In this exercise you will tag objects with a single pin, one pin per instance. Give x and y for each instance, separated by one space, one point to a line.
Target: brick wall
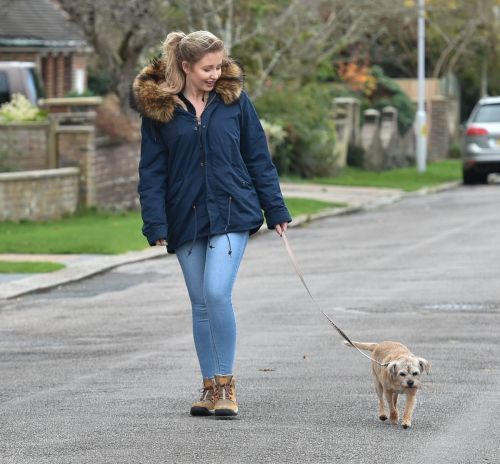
24 146
20 56
72 111
38 195
116 174
75 146
108 169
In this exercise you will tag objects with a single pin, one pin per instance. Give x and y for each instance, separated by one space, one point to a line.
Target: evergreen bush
388 93
305 114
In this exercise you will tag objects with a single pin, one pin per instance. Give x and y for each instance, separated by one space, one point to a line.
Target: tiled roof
37 23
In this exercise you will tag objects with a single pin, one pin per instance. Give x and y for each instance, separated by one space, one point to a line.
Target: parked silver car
481 142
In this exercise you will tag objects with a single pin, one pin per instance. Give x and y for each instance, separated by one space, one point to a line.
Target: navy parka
206 177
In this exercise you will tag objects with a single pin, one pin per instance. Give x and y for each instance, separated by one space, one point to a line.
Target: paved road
103 371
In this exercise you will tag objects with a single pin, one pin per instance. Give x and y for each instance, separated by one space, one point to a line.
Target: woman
205 177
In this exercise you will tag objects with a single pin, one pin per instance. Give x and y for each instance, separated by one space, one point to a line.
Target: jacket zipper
200 139
203 157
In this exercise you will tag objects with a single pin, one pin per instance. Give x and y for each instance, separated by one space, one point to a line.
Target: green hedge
388 93
305 114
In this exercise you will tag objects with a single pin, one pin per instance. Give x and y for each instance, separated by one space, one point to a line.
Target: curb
43 282
435 189
74 273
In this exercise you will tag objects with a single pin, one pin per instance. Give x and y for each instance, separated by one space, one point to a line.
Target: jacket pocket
242 176
174 189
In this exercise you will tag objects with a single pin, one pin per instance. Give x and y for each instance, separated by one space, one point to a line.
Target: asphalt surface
104 370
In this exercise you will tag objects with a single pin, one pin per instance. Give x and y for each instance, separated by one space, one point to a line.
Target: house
40 31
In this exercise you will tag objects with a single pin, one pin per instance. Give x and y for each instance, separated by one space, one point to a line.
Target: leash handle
335 326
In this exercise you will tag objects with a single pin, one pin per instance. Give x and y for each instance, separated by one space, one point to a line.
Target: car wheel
482 178
469 177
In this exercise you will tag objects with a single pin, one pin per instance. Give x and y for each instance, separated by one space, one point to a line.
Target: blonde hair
179 47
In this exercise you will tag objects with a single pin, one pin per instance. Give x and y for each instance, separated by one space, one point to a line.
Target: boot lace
224 392
206 394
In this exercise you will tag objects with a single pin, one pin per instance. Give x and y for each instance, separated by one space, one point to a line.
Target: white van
19 77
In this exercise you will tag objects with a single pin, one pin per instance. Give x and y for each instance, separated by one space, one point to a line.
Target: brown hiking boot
225 396
205 406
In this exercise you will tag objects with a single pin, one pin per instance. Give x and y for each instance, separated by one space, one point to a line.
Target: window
488 113
35 78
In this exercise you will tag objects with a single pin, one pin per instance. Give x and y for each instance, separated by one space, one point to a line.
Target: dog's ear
425 366
392 367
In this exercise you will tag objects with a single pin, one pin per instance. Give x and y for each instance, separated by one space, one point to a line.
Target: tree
282 39
462 37
119 31
289 40
457 33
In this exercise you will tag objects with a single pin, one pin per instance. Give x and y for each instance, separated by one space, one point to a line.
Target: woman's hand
281 228
161 242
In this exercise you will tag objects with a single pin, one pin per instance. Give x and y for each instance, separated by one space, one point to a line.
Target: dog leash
335 326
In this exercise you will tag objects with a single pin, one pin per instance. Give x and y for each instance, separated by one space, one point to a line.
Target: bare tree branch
119 31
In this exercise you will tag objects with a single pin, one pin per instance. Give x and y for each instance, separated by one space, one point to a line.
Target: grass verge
86 232
28 267
92 232
408 179
298 206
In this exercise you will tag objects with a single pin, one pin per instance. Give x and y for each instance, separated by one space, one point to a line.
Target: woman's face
204 73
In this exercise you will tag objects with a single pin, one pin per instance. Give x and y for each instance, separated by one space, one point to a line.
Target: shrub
275 135
99 81
355 155
20 109
455 151
305 114
376 90
388 93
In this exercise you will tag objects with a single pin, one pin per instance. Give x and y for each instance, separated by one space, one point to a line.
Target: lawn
97 232
408 179
30 267
87 232
298 206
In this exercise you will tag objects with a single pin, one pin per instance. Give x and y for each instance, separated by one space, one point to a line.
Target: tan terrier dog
401 375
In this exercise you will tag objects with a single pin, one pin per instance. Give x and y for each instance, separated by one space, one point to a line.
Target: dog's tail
362 346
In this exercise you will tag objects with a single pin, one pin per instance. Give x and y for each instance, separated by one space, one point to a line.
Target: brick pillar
439 134
50 76
68 74
59 83
76 148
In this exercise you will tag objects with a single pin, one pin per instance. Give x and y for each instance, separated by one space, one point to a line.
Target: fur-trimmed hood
150 99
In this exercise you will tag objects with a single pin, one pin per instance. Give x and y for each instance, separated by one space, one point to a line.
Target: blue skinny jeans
210 272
